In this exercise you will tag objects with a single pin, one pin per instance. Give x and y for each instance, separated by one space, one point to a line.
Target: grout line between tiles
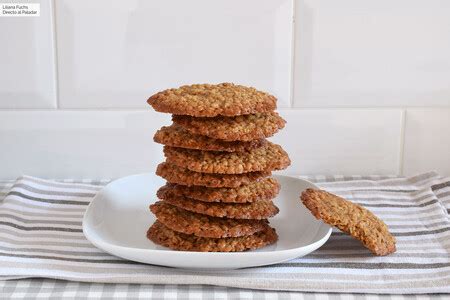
87 109
366 107
55 54
142 109
402 142
292 75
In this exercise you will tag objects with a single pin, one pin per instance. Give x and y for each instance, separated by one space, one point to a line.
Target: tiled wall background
364 85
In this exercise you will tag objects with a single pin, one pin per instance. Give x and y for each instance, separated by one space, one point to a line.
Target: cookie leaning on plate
204 226
239 128
210 100
266 158
265 189
176 136
174 174
351 218
160 234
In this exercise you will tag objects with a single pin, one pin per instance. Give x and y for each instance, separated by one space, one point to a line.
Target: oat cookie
176 136
178 175
351 218
239 128
265 189
162 235
266 158
255 210
210 100
187 222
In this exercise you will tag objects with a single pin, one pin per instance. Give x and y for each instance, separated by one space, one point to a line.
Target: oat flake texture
261 190
267 158
254 210
351 218
160 234
210 100
179 175
176 136
200 225
240 128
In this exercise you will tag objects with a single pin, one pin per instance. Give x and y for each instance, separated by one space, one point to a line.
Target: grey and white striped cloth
41 236
59 289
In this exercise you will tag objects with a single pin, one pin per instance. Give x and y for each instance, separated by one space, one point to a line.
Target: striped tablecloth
40 236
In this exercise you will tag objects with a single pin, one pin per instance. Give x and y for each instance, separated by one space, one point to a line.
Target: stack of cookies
219 192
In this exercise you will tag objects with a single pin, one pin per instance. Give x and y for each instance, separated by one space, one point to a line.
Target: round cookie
210 100
351 218
176 136
204 226
256 210
265 189
161 235
239 128
266 158
174 174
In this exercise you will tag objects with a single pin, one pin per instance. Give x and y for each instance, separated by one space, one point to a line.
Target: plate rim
100 244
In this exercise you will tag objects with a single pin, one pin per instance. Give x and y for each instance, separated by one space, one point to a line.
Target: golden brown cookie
162 235
178 175
350 218
266 158
265 189
239 128
176 136
183 221
255 210
210 100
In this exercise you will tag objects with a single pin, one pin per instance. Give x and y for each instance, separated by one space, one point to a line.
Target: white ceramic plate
117 220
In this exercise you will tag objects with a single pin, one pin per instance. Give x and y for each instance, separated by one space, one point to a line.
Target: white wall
364 85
